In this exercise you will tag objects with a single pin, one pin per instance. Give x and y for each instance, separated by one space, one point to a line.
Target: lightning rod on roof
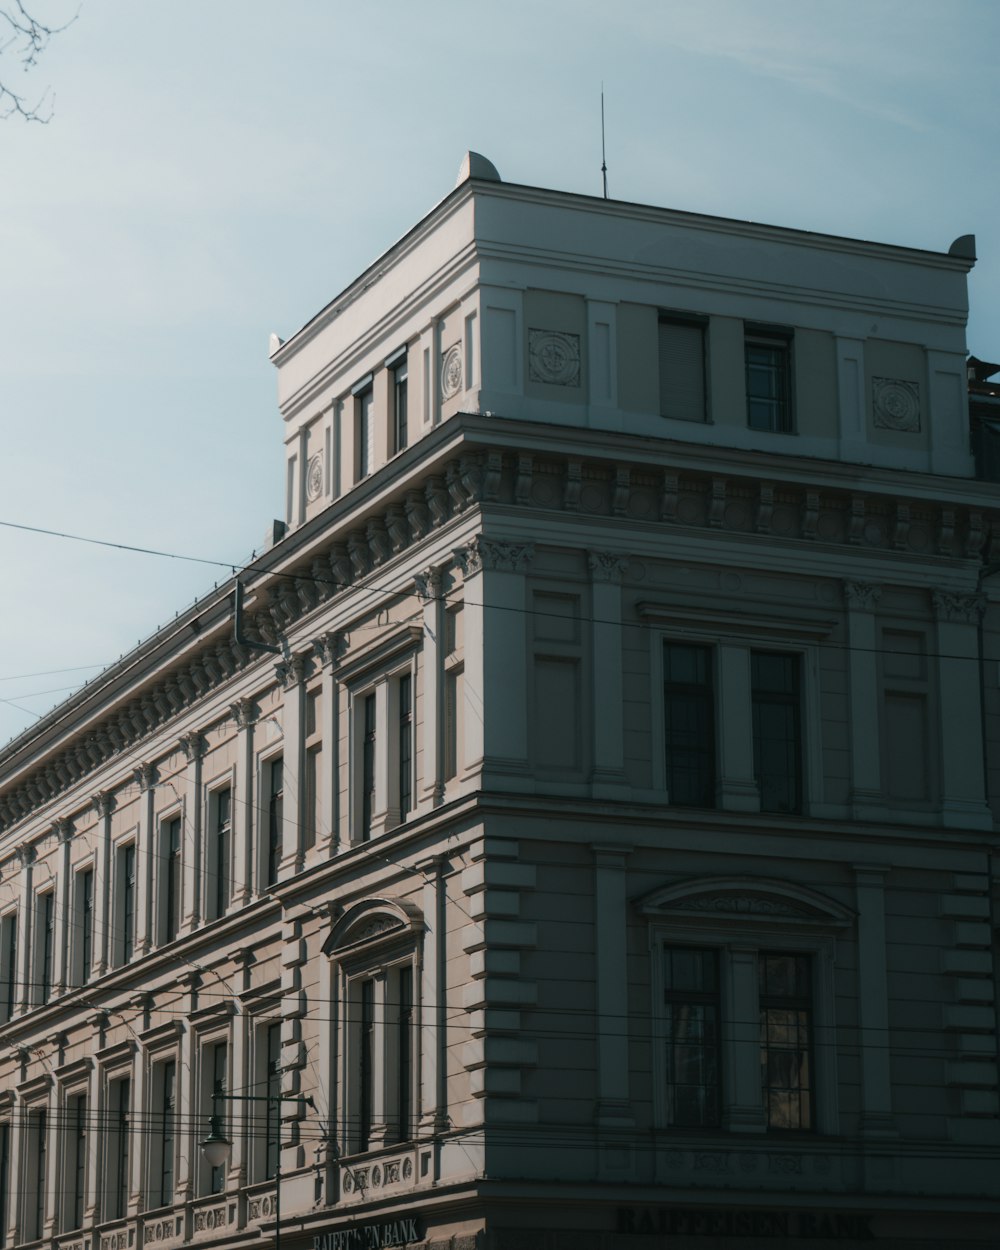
604 161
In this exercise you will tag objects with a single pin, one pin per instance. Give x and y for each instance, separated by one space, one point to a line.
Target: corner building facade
591 810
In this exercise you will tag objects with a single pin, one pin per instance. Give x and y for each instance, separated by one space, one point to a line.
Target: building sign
370 1236
679 1221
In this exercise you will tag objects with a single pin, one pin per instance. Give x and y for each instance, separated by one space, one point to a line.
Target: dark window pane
689 725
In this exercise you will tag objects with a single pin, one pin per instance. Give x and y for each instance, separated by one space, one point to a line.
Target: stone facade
584 834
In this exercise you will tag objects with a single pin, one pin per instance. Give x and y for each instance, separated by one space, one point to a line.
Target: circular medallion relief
314 478
451 372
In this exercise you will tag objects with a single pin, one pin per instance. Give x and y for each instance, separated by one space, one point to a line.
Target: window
404 744
786 1040
8 965
126 898
117 1157
364 408
83 938
454 688
313 767
777 730
743 1006
909 767
269 1039
75 1181
368 745
691 1017
163 1143
768 378
34 1190
4 1180
689 724
374 949
274 771
44 945
170 879
219 837
682 368
214 1075
399 413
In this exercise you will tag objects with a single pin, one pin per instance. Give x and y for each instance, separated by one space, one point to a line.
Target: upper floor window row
684 372
380 415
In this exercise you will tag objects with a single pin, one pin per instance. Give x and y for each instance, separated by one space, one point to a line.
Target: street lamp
216 1147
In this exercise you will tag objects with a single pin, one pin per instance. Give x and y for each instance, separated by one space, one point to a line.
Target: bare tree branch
25 38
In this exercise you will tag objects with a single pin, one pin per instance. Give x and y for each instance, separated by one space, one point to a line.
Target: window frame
363 396
83 929
778 340
377 943
686 321
126 899
219 846
270 835
44 943
768 917
8 964
35 1170
170 875
75 1151
759 698
398 367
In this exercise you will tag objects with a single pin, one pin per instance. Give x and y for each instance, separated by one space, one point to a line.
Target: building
588 801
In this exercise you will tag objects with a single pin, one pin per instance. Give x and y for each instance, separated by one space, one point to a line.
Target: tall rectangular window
689 724
786 1040
126 903
691 1015
217 1062
404 745
777 730
77 1149
365 409
220 809
768 380
168 1130
399 402
118 1147
682 368
8 965
45 919
404 1051
35 1196
275 818
366 1063
85 935
272 1124
170 888
454 688
368 743
313 767
4 1180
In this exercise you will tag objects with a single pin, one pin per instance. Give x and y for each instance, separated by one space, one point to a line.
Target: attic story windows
682 367
768 357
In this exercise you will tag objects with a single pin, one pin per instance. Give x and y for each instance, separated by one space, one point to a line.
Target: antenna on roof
604 162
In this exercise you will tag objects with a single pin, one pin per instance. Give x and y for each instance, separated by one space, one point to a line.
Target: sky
215 170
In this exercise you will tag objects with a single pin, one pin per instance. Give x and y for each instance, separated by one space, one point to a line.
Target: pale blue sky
217 169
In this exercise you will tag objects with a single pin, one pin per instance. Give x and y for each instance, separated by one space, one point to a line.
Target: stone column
292 674
873 1007
862 681
193 745
104 804
244 823
25 918
145 777
963 791
328 649
64 940
434 1001
429 589
611 974
607 675
736 788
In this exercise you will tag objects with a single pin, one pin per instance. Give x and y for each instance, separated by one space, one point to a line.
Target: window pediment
742 899
370 923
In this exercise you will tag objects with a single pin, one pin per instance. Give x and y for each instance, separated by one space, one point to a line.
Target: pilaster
736 788
862 682
744 1107
63 830
104 804
873 1006
193 745
25 917
428 586
244 713
607 776
610 926
145 777
329 648
292 674
963 791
